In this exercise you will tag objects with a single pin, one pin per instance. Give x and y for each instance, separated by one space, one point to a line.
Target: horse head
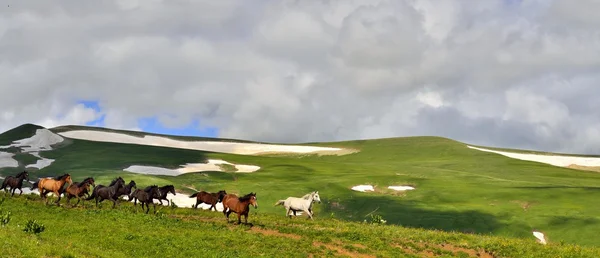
221 194
68 178
170 189
132 184
316 197
24 174
253 200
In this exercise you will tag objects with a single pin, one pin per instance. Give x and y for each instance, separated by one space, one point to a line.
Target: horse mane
20 174
61 177
168 186
80 184
115 181
149 188
246 197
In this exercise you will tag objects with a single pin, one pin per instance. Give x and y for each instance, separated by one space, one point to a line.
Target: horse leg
168 202
13 191
245 218
20 191
197 202
114 202
308 212
153 204
287 212
57 200
239 218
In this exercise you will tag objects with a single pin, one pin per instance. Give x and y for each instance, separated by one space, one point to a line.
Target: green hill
457 190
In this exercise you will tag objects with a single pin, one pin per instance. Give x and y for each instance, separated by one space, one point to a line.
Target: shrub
5 218
33 226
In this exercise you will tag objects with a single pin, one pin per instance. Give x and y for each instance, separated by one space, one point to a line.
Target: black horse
126 190
102 192
146 196
164 190
15 182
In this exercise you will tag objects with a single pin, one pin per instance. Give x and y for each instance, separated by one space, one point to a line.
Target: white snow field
212 165
214 146
555 160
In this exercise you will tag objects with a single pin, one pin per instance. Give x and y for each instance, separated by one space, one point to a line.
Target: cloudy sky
509 73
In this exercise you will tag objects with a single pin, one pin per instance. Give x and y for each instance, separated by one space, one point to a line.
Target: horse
54 185
146 196
89 181
78 190
300 204
164 190
208 198
15 182
107 192
126 190
239 205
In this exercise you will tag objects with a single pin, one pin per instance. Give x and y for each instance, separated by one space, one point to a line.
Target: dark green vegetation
125 232
458 190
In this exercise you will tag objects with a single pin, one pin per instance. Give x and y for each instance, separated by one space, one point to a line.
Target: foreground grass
178 232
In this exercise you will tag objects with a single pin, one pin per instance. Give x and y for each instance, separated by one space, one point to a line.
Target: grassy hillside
457 189
176 232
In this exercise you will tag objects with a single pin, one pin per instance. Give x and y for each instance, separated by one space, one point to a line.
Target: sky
518 74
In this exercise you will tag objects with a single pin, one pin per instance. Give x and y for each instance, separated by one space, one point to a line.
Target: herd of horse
146 196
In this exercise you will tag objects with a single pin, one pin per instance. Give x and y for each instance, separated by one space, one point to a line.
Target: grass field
457 190
177 232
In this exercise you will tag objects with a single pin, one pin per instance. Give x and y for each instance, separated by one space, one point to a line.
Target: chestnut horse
53 185
15 182
78 190
239 205
208 198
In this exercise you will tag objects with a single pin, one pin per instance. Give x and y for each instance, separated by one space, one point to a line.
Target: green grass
126 232
457 189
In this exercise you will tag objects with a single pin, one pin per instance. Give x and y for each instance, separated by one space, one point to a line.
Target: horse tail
194 195
93 195
35 185
280 202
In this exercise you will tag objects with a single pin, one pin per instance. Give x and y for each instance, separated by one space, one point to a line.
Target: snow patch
555 160
214 146
41 141
41 163
211 165
363 188
401 188
7 161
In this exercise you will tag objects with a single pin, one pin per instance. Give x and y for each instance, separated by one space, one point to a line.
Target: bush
33 226
377 219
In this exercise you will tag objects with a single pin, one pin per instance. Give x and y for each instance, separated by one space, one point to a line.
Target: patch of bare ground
340 250
426 250
271 232
524 204
586 168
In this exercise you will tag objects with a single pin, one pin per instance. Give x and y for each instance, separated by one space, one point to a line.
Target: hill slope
457 188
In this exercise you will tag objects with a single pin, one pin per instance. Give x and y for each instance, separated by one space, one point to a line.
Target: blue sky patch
152 125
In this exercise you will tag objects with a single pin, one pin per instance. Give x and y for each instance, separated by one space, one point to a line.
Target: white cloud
505 73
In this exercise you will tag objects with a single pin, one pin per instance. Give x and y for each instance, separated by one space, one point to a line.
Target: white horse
303 204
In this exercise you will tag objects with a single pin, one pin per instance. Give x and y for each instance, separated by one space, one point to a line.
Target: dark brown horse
146 196
110 193
239 205
78 190
208 198
54 185
15 182
164 190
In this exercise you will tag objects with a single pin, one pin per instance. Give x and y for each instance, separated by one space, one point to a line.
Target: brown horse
239 205
208 198
78 190
54 185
